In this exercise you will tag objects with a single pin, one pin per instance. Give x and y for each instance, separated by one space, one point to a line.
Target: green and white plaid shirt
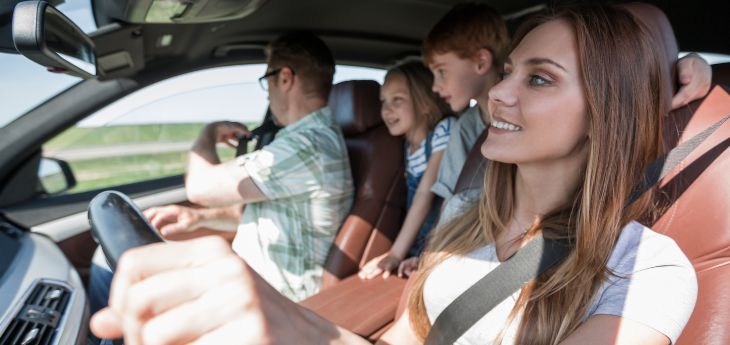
306 176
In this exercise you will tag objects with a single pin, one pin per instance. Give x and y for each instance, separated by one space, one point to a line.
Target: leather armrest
361 306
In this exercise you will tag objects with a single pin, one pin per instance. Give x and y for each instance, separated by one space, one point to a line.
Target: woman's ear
483 58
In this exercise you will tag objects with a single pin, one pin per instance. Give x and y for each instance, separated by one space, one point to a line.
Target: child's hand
384 264
407 267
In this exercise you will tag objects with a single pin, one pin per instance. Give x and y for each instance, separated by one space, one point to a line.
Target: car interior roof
373 33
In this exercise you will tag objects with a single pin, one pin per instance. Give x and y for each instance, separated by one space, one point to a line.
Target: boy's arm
694 75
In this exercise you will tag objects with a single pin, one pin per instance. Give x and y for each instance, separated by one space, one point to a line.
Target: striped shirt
305 174
417 162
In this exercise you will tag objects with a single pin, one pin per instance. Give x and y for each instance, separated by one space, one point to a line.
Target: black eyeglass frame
263 81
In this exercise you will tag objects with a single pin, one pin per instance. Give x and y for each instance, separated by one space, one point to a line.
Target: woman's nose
504 92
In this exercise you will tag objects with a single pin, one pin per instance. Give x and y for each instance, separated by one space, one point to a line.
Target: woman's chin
497 153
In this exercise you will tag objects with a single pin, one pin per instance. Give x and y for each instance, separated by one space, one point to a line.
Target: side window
146 135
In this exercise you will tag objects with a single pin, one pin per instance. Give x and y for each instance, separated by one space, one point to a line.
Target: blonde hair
623 85
428 106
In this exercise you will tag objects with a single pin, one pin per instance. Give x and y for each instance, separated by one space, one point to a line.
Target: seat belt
536 257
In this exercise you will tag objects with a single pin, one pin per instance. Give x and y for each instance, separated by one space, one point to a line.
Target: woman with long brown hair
575 122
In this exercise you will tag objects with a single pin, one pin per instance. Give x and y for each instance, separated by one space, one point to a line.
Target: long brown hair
427 105
622 82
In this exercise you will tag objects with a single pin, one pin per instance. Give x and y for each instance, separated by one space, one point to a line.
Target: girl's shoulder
445 125
442 131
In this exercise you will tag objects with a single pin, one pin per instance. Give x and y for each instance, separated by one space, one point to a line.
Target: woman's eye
442 73
503 75
536 80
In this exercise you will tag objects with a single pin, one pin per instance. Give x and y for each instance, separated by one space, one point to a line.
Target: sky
25 84
224 93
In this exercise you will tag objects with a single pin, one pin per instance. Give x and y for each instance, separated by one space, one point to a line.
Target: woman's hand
200 292
384 264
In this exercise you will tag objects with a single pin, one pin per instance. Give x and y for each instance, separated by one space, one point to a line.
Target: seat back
721 74
472 173
376 160
697 197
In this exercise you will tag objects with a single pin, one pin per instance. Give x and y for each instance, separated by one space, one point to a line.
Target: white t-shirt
658 288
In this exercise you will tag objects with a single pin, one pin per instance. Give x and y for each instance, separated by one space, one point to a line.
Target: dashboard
42 298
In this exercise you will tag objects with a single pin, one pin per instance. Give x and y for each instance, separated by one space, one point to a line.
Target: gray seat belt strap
535 257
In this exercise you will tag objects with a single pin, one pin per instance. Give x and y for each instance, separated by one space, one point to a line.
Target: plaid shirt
306 176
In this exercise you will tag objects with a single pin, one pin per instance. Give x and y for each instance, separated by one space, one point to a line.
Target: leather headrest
355 105
721 73
661 31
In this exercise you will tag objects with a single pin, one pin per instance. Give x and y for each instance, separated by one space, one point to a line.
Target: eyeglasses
264 80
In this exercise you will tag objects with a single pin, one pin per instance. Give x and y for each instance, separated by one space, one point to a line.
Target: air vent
39 317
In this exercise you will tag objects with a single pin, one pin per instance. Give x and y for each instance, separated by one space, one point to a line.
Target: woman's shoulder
639 247
650 281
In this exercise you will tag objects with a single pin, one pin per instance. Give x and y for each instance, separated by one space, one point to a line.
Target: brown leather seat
697 195
698 217
721 74
376 159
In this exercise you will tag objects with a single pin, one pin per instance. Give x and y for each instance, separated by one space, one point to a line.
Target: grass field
108 171
115 135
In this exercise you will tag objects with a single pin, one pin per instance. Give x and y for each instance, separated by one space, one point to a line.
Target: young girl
576 121
411 109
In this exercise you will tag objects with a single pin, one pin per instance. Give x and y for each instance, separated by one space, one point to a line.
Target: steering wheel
118 225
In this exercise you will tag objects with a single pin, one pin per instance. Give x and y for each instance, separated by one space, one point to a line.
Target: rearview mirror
55 175
44 35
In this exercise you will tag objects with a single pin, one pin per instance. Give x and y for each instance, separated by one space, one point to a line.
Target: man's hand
197 292
695 79
227 132
173 219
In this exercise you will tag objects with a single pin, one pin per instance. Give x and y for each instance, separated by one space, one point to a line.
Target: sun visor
173 11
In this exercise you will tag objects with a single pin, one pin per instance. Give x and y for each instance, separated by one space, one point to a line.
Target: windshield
25 84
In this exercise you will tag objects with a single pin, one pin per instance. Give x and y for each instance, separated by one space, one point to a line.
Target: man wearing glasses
285 201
